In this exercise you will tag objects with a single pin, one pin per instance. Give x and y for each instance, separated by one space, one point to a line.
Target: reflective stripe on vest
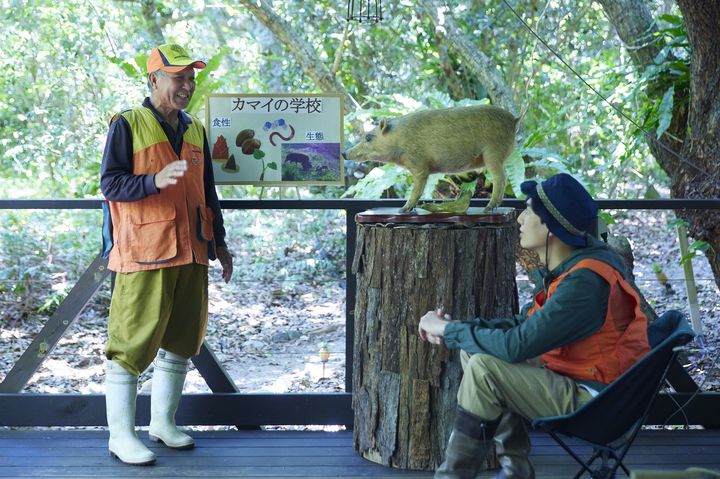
173 227
620 342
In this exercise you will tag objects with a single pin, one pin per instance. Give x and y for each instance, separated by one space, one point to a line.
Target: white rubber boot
167 384
120 394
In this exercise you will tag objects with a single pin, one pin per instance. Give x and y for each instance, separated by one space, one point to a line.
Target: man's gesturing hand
169 175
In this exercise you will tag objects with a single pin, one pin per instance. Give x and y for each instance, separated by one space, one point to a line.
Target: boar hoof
406 209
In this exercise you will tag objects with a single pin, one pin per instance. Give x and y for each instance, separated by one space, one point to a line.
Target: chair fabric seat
612 419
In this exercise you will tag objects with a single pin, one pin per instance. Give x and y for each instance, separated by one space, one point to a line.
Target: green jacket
576 310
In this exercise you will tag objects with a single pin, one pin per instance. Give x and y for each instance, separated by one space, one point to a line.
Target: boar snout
352 152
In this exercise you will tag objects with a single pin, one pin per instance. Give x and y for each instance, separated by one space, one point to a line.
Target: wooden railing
225 405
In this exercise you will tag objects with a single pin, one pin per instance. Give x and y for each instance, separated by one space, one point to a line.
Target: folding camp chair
612 419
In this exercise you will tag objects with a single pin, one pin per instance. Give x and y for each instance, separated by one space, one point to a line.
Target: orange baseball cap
171 57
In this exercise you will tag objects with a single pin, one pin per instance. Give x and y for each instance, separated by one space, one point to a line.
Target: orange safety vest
620 342
171 228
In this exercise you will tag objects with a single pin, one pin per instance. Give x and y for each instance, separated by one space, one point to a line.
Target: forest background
623 94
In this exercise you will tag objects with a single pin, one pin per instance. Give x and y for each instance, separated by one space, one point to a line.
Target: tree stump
404 389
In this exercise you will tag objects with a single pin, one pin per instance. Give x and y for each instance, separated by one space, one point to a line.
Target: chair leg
605 471
585 467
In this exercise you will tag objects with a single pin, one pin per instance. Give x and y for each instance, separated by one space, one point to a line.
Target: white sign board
281 139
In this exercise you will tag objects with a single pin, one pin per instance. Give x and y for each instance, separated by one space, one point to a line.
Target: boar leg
419 181
495 167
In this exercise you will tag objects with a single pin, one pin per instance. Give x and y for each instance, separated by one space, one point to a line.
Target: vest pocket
205 218
153 237
205 232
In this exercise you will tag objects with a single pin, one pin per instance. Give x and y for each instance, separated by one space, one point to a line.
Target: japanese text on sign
272 105
221 122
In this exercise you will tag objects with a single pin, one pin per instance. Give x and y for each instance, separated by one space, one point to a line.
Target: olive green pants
491 387
163 308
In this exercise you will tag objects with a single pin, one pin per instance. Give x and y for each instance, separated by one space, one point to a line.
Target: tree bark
636 28
702 147
405 389
476 61
690 153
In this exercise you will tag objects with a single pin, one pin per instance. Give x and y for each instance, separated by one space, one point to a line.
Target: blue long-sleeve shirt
118 183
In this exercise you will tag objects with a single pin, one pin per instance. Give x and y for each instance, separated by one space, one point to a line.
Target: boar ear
385 125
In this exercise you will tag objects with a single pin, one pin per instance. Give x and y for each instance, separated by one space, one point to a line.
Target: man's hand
169 175
226 261
432 326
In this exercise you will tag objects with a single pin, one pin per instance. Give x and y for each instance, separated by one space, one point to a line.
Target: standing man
166 225
585 325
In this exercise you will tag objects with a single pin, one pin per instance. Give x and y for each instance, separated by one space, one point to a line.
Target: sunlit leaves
515 169
74 64
379 181
664 112
205 83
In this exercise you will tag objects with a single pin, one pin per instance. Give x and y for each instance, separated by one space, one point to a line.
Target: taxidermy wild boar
450 140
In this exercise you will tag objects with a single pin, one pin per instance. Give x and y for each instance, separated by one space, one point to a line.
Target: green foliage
68 54
287 246
205 83
71 65
676 223
135 71
515 169
696 248
42 254
379 180
606 217
260 155
50 101
670 75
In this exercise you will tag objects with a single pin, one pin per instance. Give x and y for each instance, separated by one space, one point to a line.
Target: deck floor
263 454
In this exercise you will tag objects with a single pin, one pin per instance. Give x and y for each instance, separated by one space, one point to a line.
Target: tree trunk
405 389
690 153
636 28
702 147
477 62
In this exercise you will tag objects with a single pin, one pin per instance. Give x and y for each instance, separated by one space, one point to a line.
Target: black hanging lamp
364 11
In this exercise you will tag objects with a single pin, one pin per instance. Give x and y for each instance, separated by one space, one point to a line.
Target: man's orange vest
171 228
620 342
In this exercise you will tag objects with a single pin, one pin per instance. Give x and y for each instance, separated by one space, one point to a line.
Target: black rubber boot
513 448
469 442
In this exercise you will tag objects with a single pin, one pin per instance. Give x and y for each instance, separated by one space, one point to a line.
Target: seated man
583 324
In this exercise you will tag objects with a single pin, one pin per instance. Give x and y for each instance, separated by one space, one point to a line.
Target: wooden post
404 390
